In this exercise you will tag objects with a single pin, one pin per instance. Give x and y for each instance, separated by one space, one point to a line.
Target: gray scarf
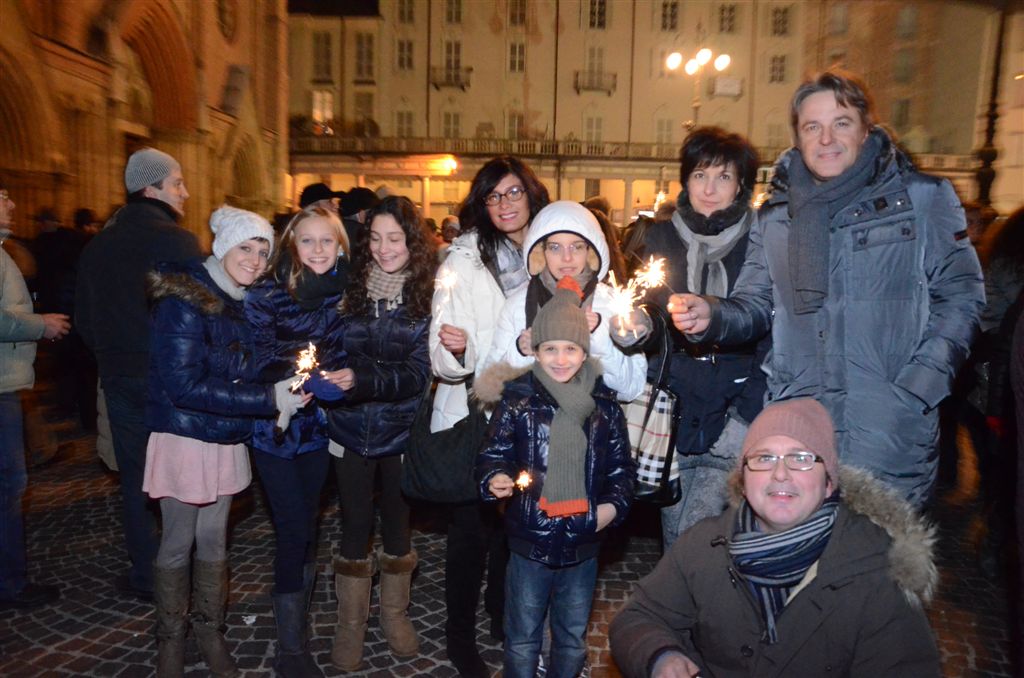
565 485
709 250
511 270
812 206
215 267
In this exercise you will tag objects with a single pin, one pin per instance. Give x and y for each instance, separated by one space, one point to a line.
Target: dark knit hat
802 419
562 319
146 167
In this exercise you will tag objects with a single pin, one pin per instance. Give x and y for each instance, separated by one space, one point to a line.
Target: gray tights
183 524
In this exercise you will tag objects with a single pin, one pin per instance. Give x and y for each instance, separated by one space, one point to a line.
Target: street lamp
695 67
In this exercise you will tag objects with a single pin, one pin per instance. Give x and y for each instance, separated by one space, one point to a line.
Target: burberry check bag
652 421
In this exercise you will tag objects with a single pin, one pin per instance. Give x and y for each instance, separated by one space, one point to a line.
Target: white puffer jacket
472 304
623 373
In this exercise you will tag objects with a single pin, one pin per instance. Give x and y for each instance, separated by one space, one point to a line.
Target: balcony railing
596 81
549 148
444 76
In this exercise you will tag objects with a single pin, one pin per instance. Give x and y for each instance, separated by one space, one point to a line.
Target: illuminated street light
695 67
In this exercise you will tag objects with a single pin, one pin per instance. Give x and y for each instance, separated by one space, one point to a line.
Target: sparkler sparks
624 298
445 281
523 480
304 366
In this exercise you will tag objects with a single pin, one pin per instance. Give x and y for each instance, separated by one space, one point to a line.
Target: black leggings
355 485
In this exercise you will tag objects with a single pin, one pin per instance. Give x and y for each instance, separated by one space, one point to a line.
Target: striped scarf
773 564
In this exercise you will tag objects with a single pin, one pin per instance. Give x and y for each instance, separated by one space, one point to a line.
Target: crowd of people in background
810 342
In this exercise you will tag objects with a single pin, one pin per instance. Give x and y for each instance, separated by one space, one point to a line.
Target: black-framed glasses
514 194
794 461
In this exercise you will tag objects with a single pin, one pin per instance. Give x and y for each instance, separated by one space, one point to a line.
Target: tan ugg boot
209 600
395 582
353 580
170 593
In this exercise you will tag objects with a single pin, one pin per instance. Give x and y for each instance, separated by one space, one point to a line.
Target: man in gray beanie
846 559
112 316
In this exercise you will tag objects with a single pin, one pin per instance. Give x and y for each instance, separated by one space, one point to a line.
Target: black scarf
718 221
773 564
311 289
812 206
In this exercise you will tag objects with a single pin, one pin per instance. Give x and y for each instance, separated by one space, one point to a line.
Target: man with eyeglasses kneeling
815 570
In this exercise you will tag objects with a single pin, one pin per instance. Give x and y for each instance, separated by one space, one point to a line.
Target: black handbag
439 467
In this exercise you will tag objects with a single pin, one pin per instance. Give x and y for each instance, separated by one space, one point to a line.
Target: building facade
86 82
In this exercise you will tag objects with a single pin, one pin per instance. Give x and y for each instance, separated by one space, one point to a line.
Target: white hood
566 216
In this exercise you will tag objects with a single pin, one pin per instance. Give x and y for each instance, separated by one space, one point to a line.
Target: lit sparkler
304 366
445 281
523 480
624 298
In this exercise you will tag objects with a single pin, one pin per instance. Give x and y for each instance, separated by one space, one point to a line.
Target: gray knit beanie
232 226
147 166
562 319
802 419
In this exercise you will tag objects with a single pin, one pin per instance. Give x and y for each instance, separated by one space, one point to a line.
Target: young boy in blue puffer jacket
558 451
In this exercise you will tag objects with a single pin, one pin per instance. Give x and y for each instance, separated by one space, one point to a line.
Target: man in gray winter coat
816 570
860 268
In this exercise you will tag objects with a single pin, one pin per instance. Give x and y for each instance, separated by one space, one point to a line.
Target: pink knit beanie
803 419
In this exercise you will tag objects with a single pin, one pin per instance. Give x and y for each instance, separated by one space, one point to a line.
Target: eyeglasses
573 248
794 461
514 194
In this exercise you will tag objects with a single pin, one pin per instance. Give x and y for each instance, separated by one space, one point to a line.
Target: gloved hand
730 442
630 330
287 403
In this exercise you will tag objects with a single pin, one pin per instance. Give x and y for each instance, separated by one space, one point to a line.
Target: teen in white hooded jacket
565 239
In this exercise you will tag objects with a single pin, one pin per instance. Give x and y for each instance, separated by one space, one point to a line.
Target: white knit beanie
147 166
232 226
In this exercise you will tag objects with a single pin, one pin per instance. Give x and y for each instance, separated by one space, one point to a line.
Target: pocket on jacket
883 260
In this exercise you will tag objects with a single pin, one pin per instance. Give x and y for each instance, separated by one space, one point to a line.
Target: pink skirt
193 471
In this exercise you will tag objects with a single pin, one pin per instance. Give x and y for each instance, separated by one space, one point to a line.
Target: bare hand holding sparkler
501 485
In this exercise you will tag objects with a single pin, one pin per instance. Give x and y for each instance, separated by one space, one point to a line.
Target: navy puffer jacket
389 354
200 382
517 440
281 329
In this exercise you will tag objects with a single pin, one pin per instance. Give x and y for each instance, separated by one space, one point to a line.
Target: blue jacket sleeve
179 342
620 480
497 452
261 313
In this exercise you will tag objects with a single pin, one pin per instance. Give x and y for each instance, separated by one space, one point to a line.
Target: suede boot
353 580
395 583
209 599
170 593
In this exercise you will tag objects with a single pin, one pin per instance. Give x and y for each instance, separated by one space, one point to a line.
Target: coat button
747 651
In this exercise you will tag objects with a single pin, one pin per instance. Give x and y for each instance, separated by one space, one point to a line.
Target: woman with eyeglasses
486 264
566 240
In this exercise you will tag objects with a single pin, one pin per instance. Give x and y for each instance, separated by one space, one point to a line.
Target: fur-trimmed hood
566 216
186 283
488 387
911 554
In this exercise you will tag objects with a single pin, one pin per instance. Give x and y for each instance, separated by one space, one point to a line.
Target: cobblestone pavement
74 534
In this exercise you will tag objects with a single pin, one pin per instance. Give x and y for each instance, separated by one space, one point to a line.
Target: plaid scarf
381 285
773 564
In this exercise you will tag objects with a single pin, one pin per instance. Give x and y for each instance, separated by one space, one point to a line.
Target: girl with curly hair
387 317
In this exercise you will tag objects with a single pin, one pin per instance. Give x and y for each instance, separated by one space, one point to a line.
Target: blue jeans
13 481
293 492
530 589
126 403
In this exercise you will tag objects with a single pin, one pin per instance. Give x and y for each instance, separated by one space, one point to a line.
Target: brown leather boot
170 593
209 598
353 580
395 583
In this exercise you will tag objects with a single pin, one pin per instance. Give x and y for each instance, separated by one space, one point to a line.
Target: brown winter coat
859 616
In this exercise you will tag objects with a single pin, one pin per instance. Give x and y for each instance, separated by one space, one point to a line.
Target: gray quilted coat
905 291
